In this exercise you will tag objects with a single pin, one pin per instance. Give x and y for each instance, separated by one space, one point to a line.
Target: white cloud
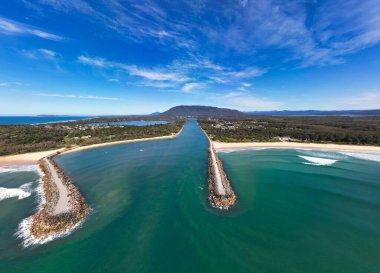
247 84
234 94
363 101
156 74
188 87
218 79
249 72
346 26
309 32
100 62
113 80
135 20
39 54
248 102
10 27
72 96
8 84
156 84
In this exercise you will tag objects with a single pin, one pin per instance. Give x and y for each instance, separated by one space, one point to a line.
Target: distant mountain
154 114
197 110
374 112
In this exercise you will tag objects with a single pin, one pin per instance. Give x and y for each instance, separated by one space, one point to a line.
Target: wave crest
20 168
22 192
318 161
365 156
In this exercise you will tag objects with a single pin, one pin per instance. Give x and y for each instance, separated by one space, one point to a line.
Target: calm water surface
150 213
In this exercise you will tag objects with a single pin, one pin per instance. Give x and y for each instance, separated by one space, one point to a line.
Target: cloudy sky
135 57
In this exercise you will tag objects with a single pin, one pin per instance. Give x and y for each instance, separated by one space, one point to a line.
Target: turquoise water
150 212
131 123
11 120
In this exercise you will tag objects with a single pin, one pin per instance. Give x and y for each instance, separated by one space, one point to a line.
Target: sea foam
323 154
20 168
365 156
23 232
318 161
22 192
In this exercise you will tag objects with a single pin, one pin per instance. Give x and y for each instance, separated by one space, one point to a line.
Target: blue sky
135 57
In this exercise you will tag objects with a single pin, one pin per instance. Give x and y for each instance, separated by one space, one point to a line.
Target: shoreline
235 146
34 157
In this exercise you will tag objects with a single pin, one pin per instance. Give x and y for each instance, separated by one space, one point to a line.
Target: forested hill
196 110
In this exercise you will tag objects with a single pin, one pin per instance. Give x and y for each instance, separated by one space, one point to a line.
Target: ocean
13 120
297 211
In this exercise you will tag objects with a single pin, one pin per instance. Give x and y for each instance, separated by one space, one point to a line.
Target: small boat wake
317 161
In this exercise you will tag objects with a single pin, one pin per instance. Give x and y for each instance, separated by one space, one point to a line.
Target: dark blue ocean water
11 120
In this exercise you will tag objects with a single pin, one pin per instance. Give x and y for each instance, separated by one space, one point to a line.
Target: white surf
365 156
22 192
318 161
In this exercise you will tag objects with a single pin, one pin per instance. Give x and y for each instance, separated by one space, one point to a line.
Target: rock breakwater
46 225
221 194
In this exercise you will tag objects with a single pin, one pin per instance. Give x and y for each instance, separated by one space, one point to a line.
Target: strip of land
62 207
80 148
220 146
32 158
63 204
221 194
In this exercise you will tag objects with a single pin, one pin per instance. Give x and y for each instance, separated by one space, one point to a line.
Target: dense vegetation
16 139
344 130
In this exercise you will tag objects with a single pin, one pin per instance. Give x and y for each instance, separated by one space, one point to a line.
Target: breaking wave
22 192
23 233
318 161
323 154
365 156
231 150
21 168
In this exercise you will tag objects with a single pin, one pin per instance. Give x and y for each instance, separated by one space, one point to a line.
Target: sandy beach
25 159
220 146
32 158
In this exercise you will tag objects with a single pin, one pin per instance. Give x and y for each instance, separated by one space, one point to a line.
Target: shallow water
150 212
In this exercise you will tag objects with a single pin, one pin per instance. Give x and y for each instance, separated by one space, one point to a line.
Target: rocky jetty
221 194
46 225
